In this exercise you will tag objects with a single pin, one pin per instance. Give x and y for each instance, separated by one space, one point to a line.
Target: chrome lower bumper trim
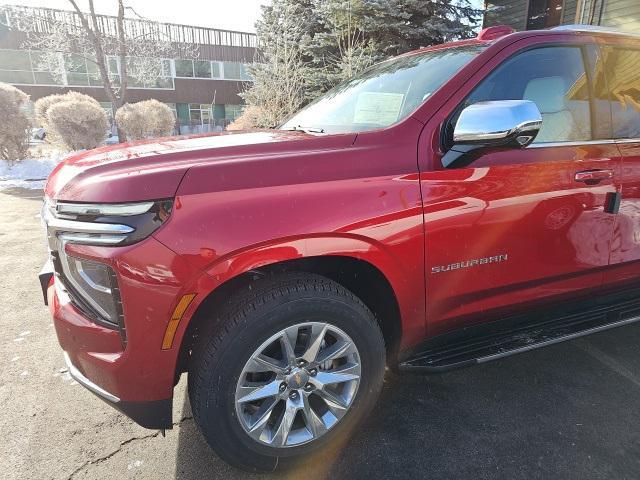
88 384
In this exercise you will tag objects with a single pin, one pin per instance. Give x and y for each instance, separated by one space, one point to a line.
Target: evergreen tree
398 26
308 46
278 89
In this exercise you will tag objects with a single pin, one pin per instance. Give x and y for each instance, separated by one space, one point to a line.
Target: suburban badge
470 263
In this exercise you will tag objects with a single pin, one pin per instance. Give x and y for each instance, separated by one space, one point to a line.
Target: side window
554 79
623 76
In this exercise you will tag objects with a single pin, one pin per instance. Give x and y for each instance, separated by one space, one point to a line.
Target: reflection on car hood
153 169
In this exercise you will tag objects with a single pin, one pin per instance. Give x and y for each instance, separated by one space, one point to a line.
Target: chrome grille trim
75 231
73 226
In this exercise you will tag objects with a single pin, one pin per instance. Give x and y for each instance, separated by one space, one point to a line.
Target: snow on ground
29 173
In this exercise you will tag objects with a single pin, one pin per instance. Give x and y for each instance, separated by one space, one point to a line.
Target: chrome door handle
591 177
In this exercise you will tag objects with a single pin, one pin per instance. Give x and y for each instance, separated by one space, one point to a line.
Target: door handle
591 177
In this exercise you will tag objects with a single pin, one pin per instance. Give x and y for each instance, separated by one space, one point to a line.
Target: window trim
571 143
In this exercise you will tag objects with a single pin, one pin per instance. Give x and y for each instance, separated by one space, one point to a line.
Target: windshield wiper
300 128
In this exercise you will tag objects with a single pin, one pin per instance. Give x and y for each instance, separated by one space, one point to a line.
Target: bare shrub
145 119
43 104
14 127
79 124
252 117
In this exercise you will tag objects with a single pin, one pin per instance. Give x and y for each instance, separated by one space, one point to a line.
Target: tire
310 305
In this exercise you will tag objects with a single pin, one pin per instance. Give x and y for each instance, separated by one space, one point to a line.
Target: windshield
383 94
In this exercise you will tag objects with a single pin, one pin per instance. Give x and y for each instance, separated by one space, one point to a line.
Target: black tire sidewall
218 420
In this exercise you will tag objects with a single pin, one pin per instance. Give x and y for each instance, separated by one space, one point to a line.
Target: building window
216 70
244 73
544 14
81 72
235 71
211 69
172 106
184 68
15 67
200 113
25 68
231 70
202 68
160 79
231 112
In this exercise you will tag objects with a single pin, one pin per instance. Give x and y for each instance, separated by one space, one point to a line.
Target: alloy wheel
298 384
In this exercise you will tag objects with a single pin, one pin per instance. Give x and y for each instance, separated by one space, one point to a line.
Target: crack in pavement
122 444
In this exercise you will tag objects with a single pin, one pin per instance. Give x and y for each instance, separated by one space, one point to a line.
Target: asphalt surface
564 412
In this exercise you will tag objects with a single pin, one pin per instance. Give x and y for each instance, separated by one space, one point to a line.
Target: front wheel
297 363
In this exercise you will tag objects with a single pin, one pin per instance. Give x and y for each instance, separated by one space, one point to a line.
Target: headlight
95 283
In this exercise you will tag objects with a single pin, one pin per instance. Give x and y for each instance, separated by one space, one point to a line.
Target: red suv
447 207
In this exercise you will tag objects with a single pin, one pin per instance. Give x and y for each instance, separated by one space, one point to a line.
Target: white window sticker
378 108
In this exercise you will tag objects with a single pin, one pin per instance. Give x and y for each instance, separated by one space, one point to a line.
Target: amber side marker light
170 332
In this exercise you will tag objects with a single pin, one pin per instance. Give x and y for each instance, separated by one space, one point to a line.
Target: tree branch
95 36
122 51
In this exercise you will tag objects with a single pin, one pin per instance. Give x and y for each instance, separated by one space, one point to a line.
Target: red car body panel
247 200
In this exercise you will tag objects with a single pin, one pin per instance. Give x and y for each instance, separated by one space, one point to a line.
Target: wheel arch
360 276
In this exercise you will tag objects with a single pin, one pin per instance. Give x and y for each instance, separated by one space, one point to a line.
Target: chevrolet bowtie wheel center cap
297 379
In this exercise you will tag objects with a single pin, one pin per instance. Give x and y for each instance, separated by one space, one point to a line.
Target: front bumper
152 414
136 378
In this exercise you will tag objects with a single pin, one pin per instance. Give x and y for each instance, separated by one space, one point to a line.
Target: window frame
446 132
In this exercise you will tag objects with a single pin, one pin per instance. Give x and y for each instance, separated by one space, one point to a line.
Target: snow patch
29 173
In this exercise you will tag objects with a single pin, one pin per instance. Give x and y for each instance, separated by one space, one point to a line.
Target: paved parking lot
567 411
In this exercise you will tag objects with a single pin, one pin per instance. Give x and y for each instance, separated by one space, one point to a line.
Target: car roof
491 35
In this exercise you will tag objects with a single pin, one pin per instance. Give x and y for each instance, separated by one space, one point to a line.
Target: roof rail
595 29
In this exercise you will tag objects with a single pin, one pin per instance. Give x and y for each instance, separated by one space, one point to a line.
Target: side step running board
439 355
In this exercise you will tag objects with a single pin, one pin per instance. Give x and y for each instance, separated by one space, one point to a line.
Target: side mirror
494 124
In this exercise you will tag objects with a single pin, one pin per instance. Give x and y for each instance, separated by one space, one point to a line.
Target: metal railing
44 18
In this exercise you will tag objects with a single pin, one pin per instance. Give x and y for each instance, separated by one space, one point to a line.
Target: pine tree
308 46
398 26
278 88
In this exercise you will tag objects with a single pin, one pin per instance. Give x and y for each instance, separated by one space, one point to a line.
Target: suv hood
150 170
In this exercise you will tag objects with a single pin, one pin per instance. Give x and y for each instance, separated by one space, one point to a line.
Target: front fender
402 277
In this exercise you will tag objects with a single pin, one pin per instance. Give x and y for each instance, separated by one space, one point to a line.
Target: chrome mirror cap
498 123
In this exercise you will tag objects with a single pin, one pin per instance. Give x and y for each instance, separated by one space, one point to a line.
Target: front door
521 227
